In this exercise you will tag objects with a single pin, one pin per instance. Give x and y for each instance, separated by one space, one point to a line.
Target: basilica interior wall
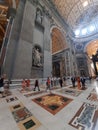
35 37
34 33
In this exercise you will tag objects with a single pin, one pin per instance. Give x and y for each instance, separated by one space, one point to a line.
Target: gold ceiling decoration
92 48
4 6
58 41
74 11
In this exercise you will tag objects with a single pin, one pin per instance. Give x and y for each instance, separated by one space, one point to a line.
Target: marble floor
59 109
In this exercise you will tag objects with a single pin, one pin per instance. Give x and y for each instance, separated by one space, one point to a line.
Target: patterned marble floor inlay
11 99
54 88
76 88
70 92
24 91
24 118
8 93
30 123
52 102
93 96
34 93
86 117
21 114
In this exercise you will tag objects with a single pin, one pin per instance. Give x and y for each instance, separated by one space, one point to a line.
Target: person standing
78 82
28 83
73 80
36 85
61 82
83 82
24 84
52 82
48 83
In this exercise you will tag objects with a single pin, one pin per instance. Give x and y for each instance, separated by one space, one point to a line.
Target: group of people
50 82
25 84
80 82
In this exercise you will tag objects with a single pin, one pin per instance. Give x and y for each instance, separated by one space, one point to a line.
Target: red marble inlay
52 102
21 113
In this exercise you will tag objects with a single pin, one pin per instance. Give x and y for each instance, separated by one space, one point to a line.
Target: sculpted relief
39 16
36 57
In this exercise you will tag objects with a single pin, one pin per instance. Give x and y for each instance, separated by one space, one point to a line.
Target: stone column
14 4
23 62
11 53
47 48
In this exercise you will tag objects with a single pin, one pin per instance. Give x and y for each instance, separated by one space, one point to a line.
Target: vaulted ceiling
82 18
74 11
58 41
80 15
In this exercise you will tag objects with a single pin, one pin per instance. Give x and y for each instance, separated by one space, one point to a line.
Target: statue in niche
37 57
39 16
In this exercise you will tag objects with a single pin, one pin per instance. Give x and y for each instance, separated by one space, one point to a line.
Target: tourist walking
61 82
83 82
36 85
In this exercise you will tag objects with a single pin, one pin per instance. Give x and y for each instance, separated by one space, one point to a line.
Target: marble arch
59 46
57 40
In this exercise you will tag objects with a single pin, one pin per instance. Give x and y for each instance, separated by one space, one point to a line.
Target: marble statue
36 57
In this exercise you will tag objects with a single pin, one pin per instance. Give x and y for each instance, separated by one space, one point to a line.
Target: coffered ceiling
80 15
75 11
82 18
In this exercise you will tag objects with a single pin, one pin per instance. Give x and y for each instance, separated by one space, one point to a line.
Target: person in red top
48 82
28 83
78 83
23 84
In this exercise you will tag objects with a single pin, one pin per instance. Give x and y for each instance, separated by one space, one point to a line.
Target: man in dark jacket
73 80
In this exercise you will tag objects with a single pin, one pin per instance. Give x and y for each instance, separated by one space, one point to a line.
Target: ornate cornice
55 13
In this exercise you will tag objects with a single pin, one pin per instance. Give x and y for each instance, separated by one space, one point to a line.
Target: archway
58 40
58 46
